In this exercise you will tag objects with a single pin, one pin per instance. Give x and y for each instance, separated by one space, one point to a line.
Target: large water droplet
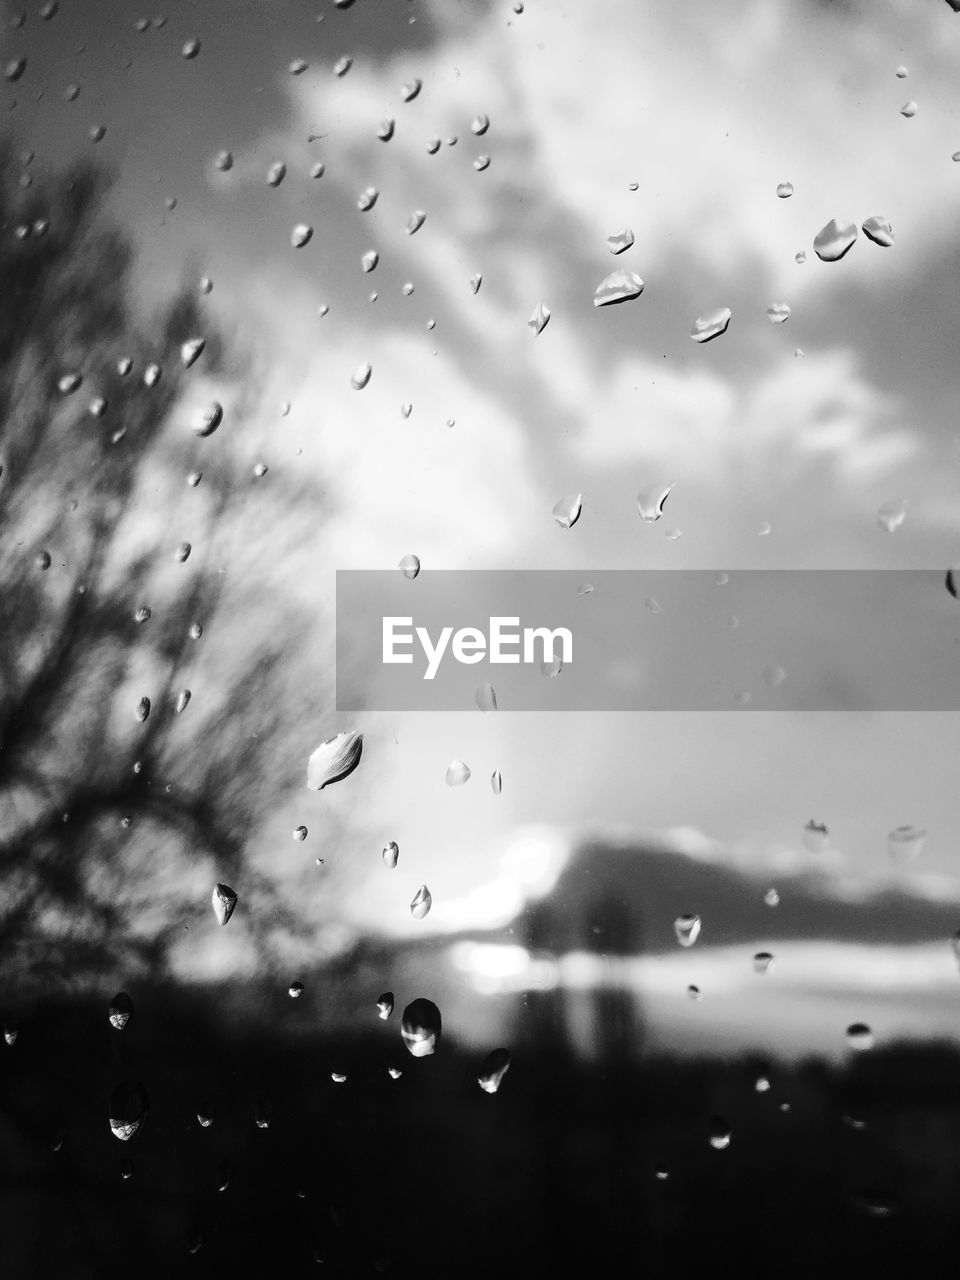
385 1005
859 1036
128 1106
904 844
492 1070
650 501
121 1010
486 697
391 854
711 324
421 1027
539 318
456 774
901 73
687 929
301 235
834 240
618 286
334 759
891 515
208 419
620 241
421 903
879 231
566 512
224 902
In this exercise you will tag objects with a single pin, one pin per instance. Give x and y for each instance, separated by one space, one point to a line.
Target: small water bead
539 318
909 109
711 324
891 515
338 1077
410 88
224 161
859 1036
191 49
620 241
295 990
952 581
128 1107
183 698
415 221
97 407
956 157
360 376
785 190
720 1134
195 631
120 1011
126 1170
143 614
905 844
323 309
492 1070
385 132
409 566
763 962
194 478
49 10
385 1005
207 419
301 235
421 1027
551 668
10 1034
566 511
433 146
342 66
206 285
15 68
496 782
481 162
318 169
878 230
816 836
191 351
391 854
297 67
771 898
72 92
276 173
171 202
652 605
486 698
762 1084
765 530
334 760
224 1175
300 833
43 560
143 710
97 132
693 992
407 289
617 287
901 73
773 676
800 258
834 240
778 312
224 901
367 199
394 1073
421 903
456 774
687 929
369 260
152 375
69 383
651 500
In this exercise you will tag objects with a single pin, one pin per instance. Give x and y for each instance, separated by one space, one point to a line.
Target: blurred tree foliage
113 830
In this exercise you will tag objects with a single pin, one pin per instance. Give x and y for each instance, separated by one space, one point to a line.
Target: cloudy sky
782 441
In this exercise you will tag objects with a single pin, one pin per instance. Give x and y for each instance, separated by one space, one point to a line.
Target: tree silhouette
116 821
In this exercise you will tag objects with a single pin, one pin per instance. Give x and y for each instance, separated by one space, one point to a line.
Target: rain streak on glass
650 501
834 240
687 929
492 1070
566 512
421 1027
409 566
711 324
391 854
539 318
486 697
905 844
421 903
457 773
618 286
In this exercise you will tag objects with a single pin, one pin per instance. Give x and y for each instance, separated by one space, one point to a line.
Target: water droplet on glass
206 284
618 286
10 1034
385 132
182 552
859 1036
421 1027
496 782
433 146
909 109
97 132
369 260
785 190
415 221
15 68
774 676
720 1134
694 992
385 1005
486 697
552 668
394 1073
456 773
891 515
492 1070
475 282
194 478
360 376
650 501
224 902
771 898
421 904
128 1106
834 240
69 383
816 836
481 162
391 854
143 709
300 235
224 161
410 88
367 199
407 289
711 324
687 929
297 67
318 169
208 419
901 73
276 173
778 312
195 631
126 1170
566 512
904 844
300 833
763 962
879 231
43 560
295 990
620 240
479 124
334 760
183 697
342 66
191 49
152 375
224 1175
539 318
409 566
121 1010
191 351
